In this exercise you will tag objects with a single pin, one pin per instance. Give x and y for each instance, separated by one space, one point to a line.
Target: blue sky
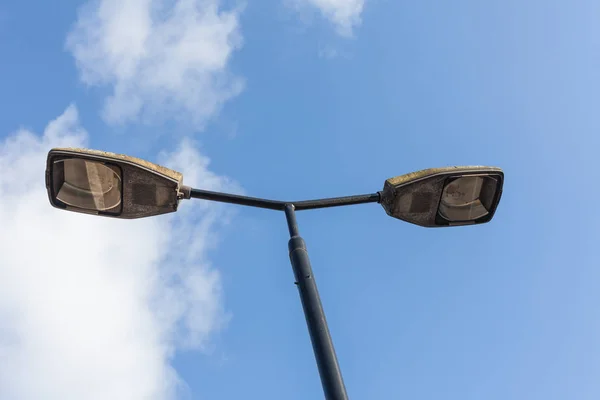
497 311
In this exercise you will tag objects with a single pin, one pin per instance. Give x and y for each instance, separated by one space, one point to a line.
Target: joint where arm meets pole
290 216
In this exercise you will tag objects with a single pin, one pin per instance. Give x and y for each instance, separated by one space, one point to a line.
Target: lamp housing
109 184
449 196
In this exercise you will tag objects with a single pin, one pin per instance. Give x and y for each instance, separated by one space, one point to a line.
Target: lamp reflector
87 184
467 198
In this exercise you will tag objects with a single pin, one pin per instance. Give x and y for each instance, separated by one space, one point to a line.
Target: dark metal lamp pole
327 363
329 369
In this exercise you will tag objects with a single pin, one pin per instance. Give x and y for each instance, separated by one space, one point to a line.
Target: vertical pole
329 369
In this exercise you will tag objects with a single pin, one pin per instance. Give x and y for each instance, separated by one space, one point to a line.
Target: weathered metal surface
177 176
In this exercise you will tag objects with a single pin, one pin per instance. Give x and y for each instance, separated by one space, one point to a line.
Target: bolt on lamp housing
109 184
444 196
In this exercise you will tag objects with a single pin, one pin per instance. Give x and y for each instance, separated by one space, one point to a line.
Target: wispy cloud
94 308
160 59
344 14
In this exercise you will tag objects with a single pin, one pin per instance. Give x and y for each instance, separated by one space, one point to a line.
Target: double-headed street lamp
119 186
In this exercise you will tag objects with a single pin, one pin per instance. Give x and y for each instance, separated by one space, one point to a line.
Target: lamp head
109 184
448 196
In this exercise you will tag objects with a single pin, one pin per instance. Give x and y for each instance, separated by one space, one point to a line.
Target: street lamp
120 186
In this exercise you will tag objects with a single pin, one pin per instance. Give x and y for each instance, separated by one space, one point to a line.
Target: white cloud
91 307
161 59
344 14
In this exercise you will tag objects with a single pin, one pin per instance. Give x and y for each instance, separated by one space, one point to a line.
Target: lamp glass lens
467 198
89 185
